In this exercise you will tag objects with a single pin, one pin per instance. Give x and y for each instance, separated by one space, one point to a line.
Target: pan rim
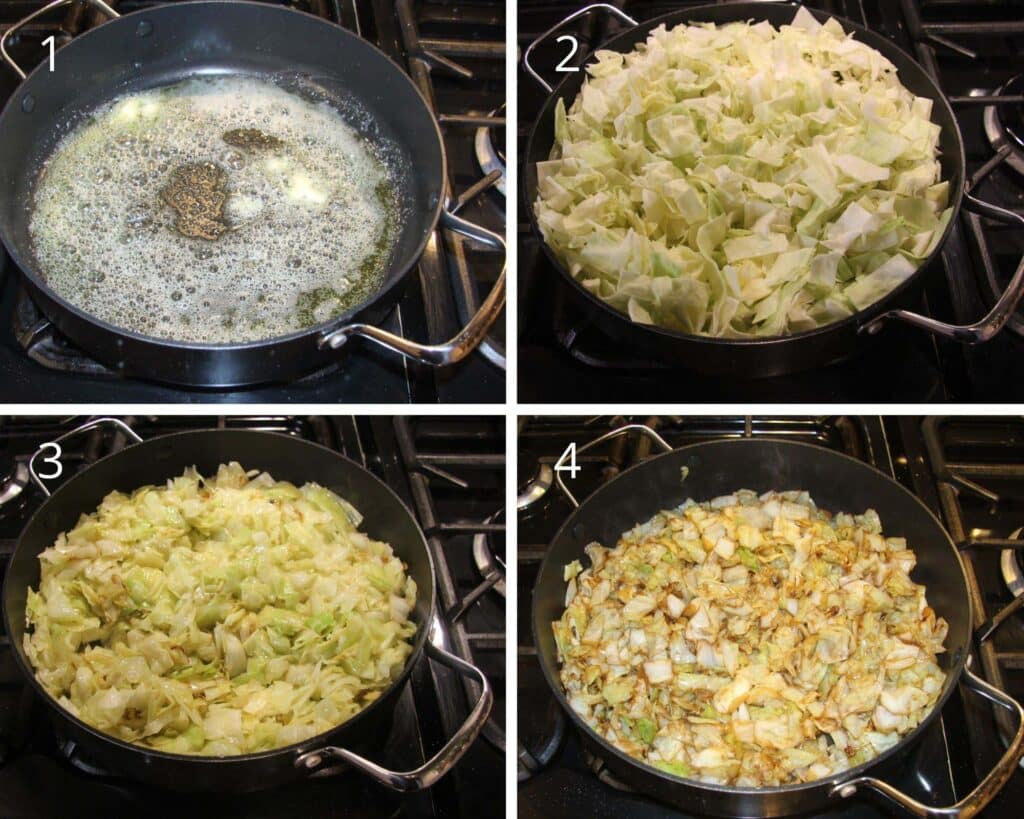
297 748
953 676
397 274
855 321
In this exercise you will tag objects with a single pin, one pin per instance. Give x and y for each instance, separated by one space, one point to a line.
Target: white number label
49 42
571 468
53 459
565 69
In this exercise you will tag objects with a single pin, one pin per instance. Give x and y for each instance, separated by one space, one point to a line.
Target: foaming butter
214 210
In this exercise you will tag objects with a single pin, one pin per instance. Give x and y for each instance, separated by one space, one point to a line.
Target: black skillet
164 44
774 355
285 458
837 483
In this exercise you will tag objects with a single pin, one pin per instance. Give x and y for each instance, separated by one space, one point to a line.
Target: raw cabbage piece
742 180
219 616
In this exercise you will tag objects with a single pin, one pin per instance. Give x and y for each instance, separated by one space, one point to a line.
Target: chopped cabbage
794 656
219 616
741 180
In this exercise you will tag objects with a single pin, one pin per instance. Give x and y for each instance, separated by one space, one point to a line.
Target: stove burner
1012 574
489 554
537 488
596 764
46 345
71 752
1010 566
490 149
1004 124
13 477
541 733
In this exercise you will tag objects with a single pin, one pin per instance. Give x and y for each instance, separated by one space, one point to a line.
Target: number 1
49 42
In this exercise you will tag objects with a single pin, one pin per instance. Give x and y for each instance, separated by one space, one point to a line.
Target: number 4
49 42
572 468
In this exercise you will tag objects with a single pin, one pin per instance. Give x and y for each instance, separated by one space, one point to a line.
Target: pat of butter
302 190
127 111
245 207
132 109
276 164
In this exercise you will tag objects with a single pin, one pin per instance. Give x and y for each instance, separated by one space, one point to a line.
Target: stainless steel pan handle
643 429
985 328
466 340
95 422
612 10
442 762
99 5
977 799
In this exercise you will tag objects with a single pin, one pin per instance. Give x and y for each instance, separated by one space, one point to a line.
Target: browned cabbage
752 641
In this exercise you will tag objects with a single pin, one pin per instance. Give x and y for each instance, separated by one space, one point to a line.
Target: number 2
572 468
49 42
54 459
565 69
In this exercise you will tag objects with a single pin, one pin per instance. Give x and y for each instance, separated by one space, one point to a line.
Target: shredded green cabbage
219 616
743 180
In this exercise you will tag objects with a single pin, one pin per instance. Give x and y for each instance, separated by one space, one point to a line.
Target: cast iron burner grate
437 60
1004 124
475 618
979 472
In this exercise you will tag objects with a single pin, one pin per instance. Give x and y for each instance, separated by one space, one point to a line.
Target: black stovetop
556 777
39 365
450 472
564 358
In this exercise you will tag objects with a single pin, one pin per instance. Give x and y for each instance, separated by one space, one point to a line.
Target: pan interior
911 75
306 57
704 471
285 458
219 209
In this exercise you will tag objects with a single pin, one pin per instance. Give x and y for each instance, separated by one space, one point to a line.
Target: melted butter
128 226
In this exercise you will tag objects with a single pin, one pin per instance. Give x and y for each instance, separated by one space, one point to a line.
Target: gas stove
973 51
450 473
969 472
455 55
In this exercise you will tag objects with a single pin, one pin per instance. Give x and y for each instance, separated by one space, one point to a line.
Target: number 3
58 467
565 69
